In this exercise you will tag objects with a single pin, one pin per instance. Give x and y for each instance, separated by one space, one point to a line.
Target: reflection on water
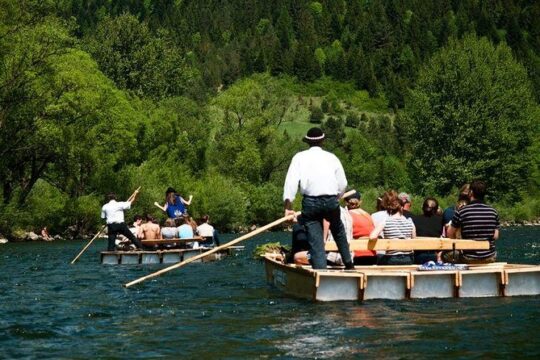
51 309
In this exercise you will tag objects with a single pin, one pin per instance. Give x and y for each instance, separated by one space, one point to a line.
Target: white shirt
318 172
205 230
113 211
379 217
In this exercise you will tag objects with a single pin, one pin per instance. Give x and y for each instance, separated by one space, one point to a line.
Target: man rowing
113 212
322 181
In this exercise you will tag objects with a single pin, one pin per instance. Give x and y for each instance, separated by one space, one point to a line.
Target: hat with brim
314 135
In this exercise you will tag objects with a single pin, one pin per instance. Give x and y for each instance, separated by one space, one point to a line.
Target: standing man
322 181
113 212
477 221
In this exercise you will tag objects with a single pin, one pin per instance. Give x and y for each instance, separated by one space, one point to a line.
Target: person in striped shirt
477 221
395 226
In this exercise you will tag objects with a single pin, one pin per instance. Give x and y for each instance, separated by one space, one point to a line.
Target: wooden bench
419 243
171 241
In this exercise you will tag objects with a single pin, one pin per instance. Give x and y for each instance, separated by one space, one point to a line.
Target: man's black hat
314 135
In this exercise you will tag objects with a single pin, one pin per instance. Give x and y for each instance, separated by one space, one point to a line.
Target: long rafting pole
100 231
214 250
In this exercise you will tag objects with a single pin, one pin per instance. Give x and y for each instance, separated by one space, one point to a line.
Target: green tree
334 129
177 129
471 115
138 61
248 135
316 116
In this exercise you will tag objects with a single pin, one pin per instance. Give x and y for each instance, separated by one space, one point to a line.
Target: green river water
226 310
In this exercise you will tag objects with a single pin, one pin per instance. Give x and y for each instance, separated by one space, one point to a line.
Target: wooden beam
412 244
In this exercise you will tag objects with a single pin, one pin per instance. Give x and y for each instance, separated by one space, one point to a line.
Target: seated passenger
192 223
137 221
185 231
169 231
207 231
362 226
477 221
448 213
380 215
149 230
299 243
406 204
396 226
428 224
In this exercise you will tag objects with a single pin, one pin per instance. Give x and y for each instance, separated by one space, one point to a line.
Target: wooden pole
214 250
100 231
348 193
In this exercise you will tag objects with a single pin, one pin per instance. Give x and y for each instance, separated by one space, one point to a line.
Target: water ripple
50 309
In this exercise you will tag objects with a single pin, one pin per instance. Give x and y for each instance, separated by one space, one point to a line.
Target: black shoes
349 266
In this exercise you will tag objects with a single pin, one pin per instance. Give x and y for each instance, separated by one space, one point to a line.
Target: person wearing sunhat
322 180
175 205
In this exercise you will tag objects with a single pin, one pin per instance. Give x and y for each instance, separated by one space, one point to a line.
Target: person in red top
362 225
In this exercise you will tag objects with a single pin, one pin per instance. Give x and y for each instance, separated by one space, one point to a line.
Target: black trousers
120 228
315 209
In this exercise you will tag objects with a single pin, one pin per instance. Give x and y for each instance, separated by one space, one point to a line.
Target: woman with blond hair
396 226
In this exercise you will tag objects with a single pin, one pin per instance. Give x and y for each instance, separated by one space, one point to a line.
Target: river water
225 310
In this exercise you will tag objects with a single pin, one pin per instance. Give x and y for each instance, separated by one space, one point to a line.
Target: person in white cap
322 181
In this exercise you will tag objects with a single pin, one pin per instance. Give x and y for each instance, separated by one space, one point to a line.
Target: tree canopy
471 115
213 98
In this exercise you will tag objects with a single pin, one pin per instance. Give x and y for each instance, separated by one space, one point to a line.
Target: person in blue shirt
175 205
448 214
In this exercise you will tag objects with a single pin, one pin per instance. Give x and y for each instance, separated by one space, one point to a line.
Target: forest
213 97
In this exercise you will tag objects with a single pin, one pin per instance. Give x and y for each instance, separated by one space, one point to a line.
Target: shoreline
31 236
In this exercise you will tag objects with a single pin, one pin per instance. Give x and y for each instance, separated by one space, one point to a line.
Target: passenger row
470 218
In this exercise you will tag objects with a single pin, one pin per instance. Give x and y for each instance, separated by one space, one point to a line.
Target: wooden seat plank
421 243
170 241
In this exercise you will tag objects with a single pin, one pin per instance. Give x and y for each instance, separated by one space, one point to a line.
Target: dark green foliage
139 61
378 44
352 121
316 116
99 96
472 115
334 129
325 106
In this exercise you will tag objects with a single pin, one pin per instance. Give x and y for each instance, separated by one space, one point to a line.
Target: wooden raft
402 282
419 243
